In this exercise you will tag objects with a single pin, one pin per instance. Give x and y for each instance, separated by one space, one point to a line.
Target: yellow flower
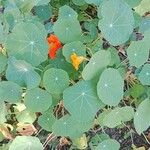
76 60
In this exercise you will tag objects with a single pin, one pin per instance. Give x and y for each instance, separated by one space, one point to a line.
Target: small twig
49 138
146 138
129 131
38 132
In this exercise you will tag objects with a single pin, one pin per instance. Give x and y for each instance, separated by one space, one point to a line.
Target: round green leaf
44 12
110 87
138 53
46 120
26 143
3 62
144 75
82 99
67 126
37 100
97 63
108 144
142 117
26 117
118 115
28 42
10 92
22 73
74 47
66 12
67 30
118 24
55 80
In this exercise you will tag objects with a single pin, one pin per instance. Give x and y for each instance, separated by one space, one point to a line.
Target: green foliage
138 53
143 7
117 25
116 116
14 94
80 98
67 27
26 116
26 142
43 12
22 73
58 80
30 44
99 61
67 126
142 118
106 144
144 75
43 97
74 47
37 100
110 87
46 120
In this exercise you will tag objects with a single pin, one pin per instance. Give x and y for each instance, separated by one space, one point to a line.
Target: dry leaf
64 141
26 129
5 131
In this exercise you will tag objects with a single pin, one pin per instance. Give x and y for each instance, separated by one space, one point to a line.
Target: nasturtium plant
98 62
117 25
67 27
26 142
44 12
74 74
22 73
15 92
82 99
46 120
37 100
26 116
30 43
141 118
58 80
68 126
138 53
144 75
74 47
143 7
116 116
106 144
110 87
145 24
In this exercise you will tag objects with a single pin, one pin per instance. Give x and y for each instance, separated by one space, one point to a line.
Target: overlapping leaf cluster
111 87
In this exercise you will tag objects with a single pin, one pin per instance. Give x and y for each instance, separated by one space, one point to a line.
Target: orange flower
54 44
77 60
